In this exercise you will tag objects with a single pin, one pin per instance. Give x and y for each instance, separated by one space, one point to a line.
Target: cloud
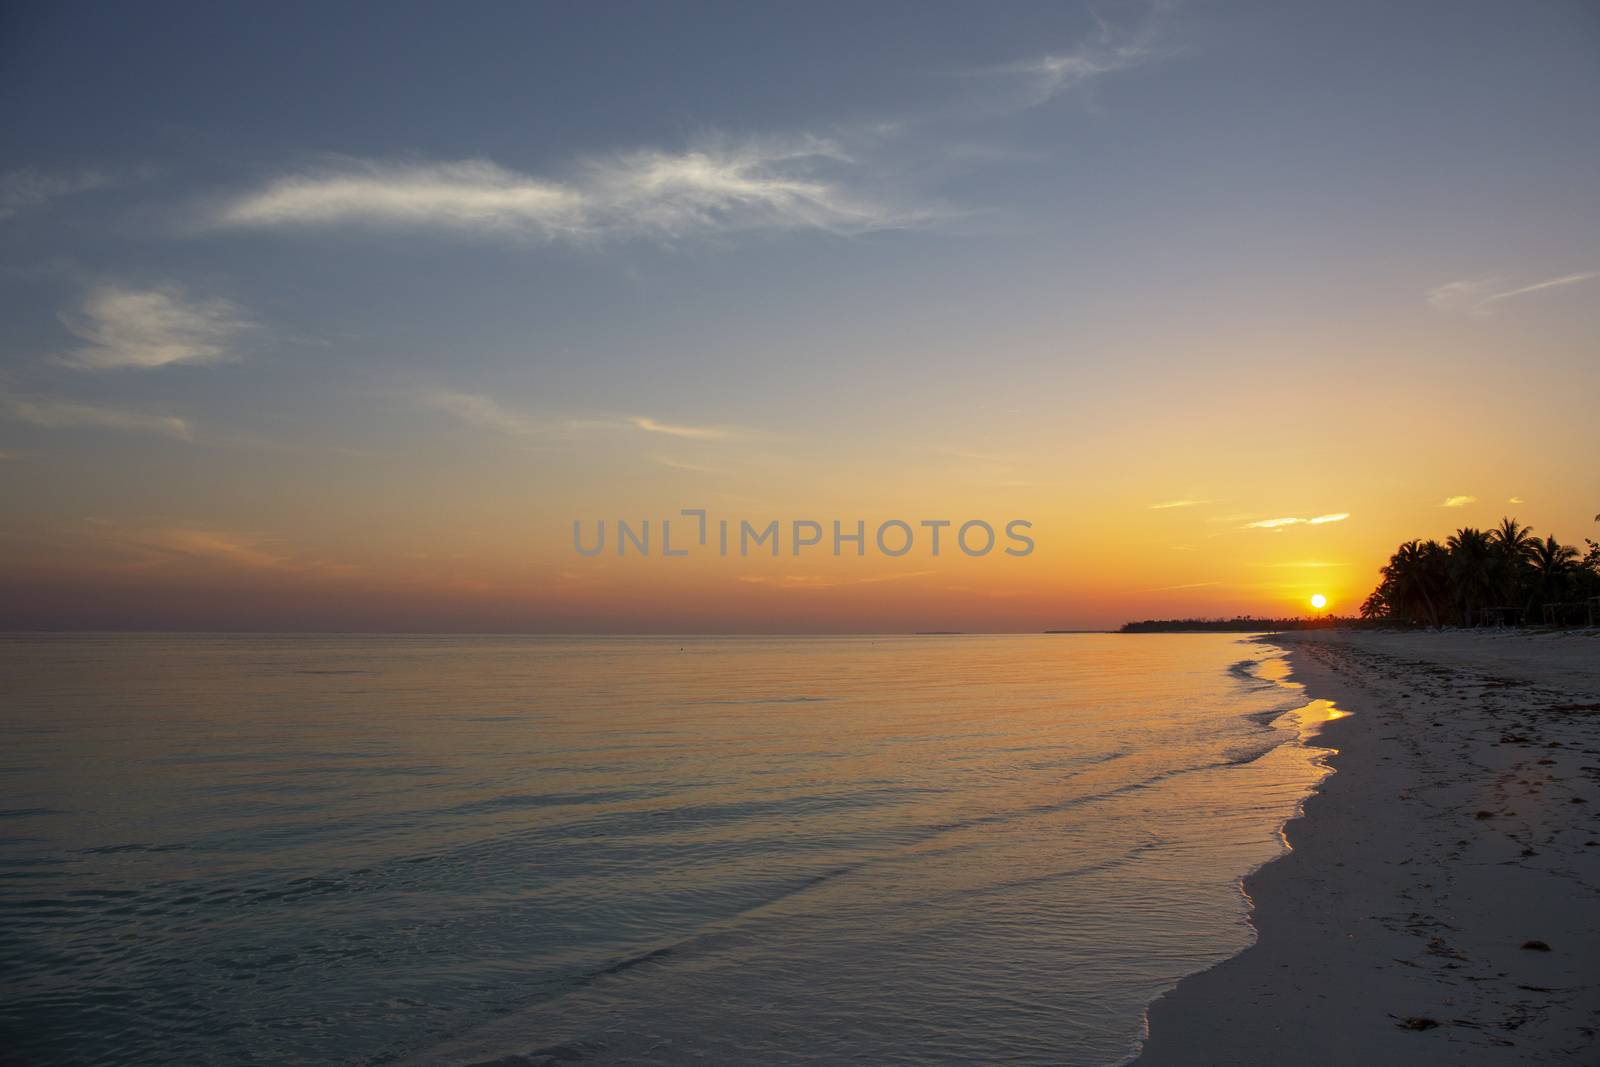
1463 296
1165 505
150 328
1110 49
190 544
1458 501
1480 297
755 186
490 414
1516 500
480 411
696 433
1048 75
1276 524
215 545
61 414
21 190
469 194
1548 283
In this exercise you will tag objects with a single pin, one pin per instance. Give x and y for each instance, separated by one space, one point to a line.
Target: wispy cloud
216 545
1276 524
481 411
695 433
1480 297
1174 588
1516 500
185 544
472 194
1457 501
1048 75
1110 49
57 414
1167 504
800 185
148 328
1548 283
21 190
1462 296
490 414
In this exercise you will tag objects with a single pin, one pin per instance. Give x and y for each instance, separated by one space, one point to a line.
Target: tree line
1504 576
1244 624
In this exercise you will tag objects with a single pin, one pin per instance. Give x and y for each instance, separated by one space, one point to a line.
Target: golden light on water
1319 601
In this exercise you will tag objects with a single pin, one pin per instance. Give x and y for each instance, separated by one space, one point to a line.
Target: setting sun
818 445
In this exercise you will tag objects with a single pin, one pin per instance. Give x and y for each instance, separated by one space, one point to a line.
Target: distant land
1237 624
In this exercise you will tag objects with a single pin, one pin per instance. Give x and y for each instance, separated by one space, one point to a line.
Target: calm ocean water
451 850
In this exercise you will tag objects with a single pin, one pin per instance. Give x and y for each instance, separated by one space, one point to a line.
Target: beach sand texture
1441 904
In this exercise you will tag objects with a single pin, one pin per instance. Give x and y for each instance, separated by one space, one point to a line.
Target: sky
339 317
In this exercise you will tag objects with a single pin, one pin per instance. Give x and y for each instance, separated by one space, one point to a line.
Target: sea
538 850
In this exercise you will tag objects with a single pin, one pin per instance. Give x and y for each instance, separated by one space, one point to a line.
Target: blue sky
264 267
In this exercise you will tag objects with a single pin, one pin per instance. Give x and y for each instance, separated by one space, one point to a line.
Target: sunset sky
337 317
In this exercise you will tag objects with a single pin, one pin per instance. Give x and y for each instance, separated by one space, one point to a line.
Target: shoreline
1461 823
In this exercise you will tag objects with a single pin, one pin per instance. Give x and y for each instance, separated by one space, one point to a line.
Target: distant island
1237 624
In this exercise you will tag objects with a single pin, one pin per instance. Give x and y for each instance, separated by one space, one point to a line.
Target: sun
1319 601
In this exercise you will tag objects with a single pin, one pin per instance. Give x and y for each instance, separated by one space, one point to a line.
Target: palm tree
1458 581
1410 581
1553 564
1514 547
1472 571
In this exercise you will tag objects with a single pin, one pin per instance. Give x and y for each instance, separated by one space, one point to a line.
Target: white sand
1399 902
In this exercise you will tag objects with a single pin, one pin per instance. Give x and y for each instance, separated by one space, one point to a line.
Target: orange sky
1153 280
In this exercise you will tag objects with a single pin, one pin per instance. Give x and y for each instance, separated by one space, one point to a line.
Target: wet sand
1442 900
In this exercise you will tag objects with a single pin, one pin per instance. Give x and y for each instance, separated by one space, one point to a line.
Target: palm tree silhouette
1472 571
1412 581
1476 571
1552 564
1514 548
1516 541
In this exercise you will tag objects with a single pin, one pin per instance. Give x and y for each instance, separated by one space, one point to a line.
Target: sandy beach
1441 902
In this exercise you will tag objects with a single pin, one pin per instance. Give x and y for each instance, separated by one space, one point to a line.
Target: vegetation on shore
1506 576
